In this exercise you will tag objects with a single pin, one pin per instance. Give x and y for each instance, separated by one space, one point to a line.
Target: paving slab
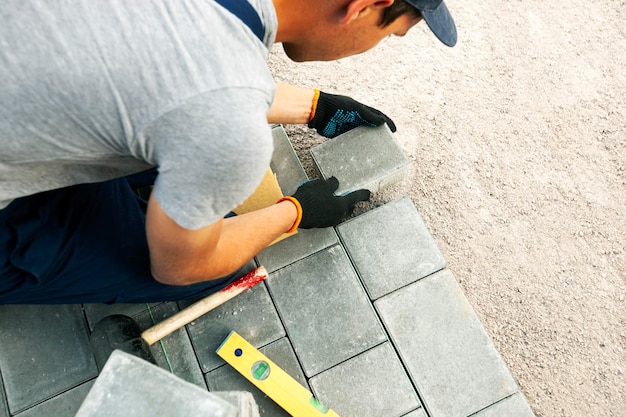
304 243
251 314
285 163
446 350
243 401
174 352
4 408
417 413
325 310
513 406
365 157
390 247
226 378
372 384
44 350
63 405
129 386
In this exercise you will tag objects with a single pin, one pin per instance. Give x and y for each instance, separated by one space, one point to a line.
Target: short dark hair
397 9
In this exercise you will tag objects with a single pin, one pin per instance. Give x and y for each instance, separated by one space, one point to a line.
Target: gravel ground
517 142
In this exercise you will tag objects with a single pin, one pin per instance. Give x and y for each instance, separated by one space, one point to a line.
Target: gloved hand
335 115
321 208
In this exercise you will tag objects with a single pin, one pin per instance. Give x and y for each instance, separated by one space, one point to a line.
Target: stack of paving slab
365 315
130 386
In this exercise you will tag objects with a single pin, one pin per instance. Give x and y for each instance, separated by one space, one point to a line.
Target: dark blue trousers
84 244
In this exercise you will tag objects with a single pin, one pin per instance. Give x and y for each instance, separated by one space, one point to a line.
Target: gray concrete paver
4 408
513 406
371 384
44 351
325 310
63 405
446 350
242 400
416 413
390 247
129 386
304 243
364 157
285 163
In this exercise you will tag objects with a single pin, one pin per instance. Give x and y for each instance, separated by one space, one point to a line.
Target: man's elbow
182 276
168 277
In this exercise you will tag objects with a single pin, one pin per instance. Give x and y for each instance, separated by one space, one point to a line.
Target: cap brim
441 24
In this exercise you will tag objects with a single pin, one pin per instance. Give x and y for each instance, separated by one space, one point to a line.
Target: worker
101 99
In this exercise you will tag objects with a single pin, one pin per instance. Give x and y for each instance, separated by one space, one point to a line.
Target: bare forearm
182 257
291 105
244 236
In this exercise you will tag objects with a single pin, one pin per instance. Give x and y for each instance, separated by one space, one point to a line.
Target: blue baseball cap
438 19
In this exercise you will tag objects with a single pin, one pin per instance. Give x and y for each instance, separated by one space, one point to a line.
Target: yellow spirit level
269 378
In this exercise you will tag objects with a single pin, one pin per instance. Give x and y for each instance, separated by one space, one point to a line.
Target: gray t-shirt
93 90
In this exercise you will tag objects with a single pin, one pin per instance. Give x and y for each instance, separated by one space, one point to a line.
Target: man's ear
357 8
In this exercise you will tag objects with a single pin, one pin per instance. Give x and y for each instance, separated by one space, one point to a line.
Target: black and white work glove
321 207
334 115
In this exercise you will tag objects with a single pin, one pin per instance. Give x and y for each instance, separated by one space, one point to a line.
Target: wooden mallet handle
197 309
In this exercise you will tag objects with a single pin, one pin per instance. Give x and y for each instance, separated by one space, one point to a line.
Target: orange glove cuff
299 215
316 97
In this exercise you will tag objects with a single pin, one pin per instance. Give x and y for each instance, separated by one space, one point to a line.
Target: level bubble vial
260 370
